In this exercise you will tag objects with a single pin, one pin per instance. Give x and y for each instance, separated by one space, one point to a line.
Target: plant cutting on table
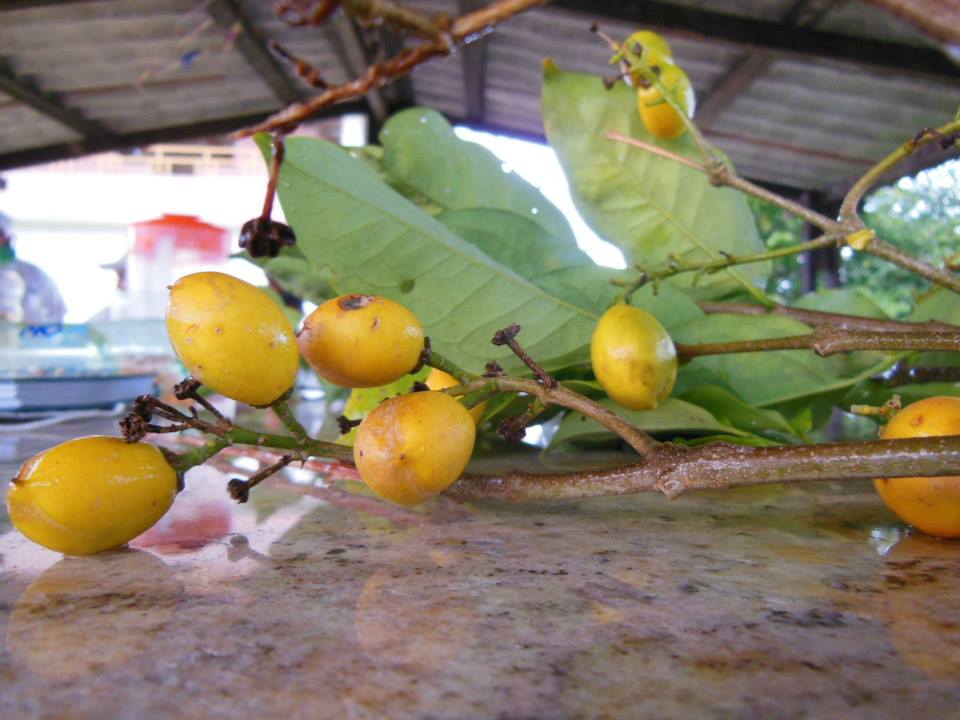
421 252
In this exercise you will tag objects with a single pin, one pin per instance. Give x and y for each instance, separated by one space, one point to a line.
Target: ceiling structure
803 94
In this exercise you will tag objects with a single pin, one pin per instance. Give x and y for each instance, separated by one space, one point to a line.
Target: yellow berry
657 115
633 357
439 380
360 341
930 504
91 494
232 337
413 447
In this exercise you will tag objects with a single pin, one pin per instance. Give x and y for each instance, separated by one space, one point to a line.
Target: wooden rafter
253 46
752 65
48 104
210 128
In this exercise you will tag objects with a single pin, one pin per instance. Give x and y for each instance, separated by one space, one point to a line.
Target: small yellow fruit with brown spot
439 380
91 494
412 447
232 337
361 341
930 504
633 357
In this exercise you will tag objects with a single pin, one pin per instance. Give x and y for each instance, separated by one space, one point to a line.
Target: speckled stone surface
771 603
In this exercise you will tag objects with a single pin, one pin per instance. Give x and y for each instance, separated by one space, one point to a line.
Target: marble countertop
309 602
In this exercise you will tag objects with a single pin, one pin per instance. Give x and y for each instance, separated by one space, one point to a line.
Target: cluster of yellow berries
658 116
96 493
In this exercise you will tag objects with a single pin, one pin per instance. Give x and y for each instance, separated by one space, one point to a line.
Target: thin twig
564 397
464 28
848 209
711 267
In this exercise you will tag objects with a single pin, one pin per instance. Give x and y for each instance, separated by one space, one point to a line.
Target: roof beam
890 57
750 66
188 131
740 77
252 45
474 60
49 104
355 57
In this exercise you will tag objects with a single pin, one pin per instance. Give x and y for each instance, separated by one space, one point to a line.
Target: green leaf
847 301
421 150
673 416
766 378
731 410
649 206
296 275
375 241
937 304
556 265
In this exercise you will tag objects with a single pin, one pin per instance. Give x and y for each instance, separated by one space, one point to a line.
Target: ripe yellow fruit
653 49
438 380
413 447
930 504
91 494
657 115
361 341
232 337
633 357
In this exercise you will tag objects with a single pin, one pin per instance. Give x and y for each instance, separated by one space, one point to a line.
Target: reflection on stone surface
777 602
920 587
87 615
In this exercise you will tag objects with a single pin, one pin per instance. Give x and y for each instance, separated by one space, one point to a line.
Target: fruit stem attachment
432 358
564 397
283 411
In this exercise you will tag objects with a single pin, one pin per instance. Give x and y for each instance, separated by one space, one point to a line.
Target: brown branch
464 28
826 340
673 469
820 317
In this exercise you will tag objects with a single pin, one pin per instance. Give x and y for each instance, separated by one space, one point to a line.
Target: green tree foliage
920 215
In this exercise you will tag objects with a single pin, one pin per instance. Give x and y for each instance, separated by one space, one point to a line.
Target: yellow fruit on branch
633 357
930 504
232 337
412 447
657 115
91 494
361 341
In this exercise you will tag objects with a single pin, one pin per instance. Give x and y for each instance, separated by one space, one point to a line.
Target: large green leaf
649 206
374 240
766 378
847 301
554 264
421 150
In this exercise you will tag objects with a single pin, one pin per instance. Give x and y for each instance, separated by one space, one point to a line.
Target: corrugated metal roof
82 74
